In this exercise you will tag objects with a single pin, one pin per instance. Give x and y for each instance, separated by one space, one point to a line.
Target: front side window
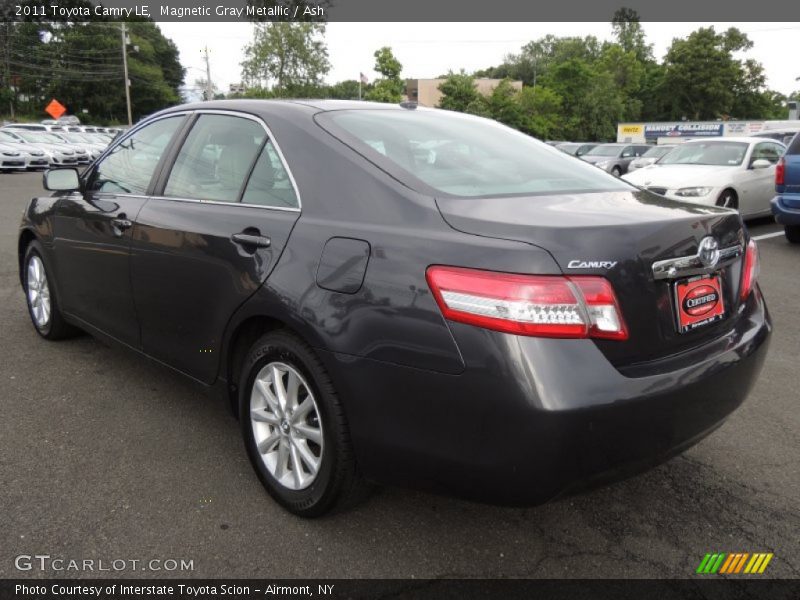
462 155
129 167
767 151
216 158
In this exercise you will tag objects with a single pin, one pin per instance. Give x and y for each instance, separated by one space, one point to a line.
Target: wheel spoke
311 461
262 416
268 443
310 433
292 390
302 410
283 456
297 468
277 383
272 402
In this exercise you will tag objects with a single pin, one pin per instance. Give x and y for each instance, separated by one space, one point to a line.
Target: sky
430 49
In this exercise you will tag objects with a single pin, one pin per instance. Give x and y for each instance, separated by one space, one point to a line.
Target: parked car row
23 147
731 172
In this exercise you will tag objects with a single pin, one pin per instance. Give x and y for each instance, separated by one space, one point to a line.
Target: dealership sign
657 130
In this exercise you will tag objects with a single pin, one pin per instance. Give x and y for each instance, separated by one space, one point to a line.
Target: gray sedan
615 158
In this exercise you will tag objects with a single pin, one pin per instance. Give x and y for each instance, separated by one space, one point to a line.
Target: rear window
462 155
794 145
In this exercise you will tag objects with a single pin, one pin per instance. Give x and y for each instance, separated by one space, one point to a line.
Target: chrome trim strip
684 266
199 201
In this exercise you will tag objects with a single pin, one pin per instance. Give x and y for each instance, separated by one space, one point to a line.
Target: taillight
780 172
534 305
750 270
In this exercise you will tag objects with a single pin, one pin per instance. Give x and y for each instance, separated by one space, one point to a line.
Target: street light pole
125 70
209 86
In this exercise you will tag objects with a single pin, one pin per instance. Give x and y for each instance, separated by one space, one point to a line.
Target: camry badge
591 264
708 251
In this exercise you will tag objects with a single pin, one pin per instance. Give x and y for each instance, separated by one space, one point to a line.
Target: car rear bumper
786 208
532 418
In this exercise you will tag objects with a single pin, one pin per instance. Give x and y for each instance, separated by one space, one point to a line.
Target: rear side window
216 158
269 183
130 165
462 155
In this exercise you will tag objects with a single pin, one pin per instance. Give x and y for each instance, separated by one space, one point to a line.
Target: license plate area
698 302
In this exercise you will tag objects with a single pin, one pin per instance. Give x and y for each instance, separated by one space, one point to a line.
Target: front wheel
728 199
616 172
41 298
792 233
294 428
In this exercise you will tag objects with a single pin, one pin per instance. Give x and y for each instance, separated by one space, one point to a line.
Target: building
425 92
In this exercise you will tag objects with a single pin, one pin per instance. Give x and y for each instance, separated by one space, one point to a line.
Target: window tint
463 155
215 159
129 167
269 183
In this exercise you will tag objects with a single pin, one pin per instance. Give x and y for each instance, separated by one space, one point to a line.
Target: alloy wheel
286 425
38 292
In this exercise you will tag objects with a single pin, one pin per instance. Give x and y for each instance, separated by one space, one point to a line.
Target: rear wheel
294 428
42 301
728 199
792 233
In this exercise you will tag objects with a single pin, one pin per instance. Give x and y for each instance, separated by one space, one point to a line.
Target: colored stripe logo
734 563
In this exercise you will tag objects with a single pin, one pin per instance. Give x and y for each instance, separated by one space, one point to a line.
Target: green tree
630 35
704 78
458 91
390 87
542 110
286 55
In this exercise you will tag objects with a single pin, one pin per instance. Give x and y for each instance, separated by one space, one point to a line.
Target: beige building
426 92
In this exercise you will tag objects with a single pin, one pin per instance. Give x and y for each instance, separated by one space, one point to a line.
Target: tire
792 233
616 172
728 199
295 435
41 297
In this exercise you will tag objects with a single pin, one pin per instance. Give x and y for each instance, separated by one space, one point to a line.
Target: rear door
222 212
93 231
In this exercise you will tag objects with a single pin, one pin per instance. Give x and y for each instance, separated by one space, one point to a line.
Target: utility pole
125 69
209 86
8 81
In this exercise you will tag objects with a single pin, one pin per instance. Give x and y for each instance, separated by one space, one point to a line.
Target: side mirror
61 180
761 163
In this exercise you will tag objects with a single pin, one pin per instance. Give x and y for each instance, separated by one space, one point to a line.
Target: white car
734 172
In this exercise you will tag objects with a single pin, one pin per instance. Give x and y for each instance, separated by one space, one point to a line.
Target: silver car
12 159
650 157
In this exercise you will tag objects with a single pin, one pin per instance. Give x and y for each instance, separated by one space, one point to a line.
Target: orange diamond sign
55 109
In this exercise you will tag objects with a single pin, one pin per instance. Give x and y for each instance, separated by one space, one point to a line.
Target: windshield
464 155
604 150
721 154
658 152
6 138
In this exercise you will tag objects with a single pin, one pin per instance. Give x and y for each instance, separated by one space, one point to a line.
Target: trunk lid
618 235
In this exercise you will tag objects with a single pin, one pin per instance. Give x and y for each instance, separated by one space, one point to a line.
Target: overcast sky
430 49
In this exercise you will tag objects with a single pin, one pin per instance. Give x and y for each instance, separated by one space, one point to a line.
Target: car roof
746 139
283 107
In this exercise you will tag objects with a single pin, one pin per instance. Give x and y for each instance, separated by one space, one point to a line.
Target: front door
209 238
93 232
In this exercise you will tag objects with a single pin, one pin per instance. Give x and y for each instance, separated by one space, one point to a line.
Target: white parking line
768 235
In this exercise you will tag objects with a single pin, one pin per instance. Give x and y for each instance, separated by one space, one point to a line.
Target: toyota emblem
708 251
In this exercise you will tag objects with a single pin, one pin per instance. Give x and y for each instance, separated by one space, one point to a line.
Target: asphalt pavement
105 455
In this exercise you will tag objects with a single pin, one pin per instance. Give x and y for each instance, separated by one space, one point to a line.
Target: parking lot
106 455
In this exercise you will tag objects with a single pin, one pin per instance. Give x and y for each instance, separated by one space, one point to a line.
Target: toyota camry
398 295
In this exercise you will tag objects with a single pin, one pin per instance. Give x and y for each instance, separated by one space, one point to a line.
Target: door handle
247 239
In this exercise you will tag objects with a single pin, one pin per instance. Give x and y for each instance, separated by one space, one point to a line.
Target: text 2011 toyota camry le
405 296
